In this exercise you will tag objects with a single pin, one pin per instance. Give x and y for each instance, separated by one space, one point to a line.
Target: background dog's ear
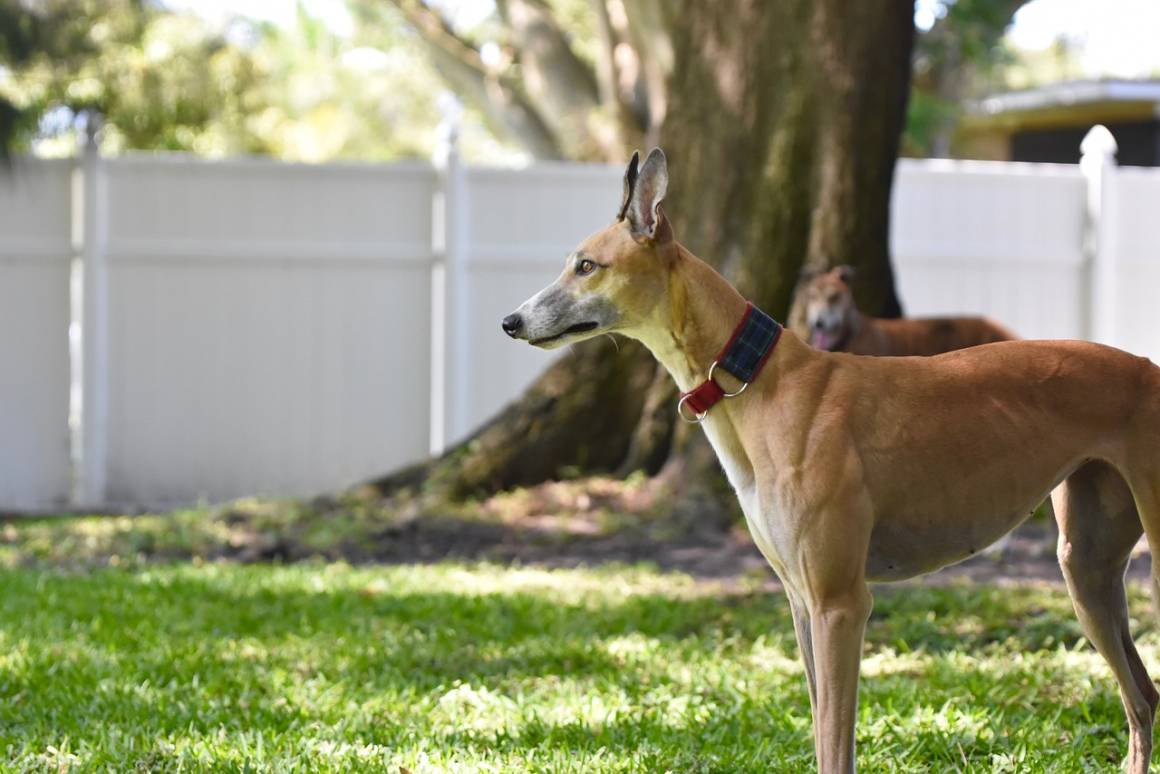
643 211
629 184
808 273
846 273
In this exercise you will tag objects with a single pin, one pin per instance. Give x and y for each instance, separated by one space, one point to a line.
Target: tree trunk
782 126
577 417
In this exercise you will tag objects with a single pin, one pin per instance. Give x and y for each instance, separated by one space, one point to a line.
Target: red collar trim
694 405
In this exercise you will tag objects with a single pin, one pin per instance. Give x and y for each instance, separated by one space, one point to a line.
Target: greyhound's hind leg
1147 496
1098 525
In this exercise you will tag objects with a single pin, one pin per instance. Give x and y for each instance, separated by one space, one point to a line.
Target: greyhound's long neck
703 311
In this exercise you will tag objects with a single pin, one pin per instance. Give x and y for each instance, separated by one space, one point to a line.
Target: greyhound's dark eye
585 266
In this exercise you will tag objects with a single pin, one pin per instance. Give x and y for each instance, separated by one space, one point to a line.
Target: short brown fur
856 469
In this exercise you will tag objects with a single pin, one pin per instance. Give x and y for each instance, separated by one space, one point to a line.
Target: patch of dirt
1026 555
560 524
712 553
570 523
598 521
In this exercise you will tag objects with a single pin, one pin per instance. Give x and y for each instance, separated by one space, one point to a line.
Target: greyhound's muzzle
554 317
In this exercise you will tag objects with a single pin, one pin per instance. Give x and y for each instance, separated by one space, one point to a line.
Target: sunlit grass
477 667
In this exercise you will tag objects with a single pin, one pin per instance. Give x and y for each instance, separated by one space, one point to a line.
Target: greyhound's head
614 281
830 307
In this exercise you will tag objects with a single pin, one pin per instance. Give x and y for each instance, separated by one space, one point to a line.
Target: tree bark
863 60
781 124
577 417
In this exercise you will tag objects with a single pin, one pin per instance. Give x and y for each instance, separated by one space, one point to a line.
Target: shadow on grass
937 620
470 634
182 651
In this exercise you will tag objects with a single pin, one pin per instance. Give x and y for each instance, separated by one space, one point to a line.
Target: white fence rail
251 327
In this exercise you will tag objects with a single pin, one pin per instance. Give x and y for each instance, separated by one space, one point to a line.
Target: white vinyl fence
36 218
999 239
268 326
516 231
251 327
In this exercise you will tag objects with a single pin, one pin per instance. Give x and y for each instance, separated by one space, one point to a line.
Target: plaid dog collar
742 356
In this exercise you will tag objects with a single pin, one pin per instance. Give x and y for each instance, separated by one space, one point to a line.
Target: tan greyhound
833 323
855 469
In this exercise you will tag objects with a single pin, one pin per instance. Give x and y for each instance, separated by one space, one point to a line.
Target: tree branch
606 62
501 98
649 35
562 86
622 88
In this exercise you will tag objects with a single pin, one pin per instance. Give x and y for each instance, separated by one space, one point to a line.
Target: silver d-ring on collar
697 418
727 394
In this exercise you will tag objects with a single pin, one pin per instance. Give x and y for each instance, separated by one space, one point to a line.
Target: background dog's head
830 307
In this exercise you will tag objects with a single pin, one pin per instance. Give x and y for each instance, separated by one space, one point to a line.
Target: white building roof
1070 93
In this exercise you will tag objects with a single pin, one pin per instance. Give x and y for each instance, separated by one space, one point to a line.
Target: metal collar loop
696 418
726 394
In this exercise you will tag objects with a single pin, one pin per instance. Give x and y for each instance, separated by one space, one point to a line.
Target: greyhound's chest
760 507
775 528
762 523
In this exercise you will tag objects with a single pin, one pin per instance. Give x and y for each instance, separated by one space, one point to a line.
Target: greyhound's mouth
583 327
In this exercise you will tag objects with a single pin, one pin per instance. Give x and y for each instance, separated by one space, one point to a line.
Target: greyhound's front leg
805 641
837 626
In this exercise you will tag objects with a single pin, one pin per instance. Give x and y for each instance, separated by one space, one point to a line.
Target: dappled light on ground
328 667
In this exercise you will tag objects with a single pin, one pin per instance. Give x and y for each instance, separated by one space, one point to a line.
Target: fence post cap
1098 142
447 133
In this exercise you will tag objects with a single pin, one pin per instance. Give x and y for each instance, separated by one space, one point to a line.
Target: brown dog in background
833 323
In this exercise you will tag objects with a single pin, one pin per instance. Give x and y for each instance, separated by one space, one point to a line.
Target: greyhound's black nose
512 324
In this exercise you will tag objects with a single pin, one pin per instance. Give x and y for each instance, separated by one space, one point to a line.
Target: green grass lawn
477 667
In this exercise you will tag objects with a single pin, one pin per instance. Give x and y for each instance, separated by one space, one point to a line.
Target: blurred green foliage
159 79
960 57
164 80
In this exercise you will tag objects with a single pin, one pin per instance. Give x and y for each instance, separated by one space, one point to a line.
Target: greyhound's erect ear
643 208
629 184
846 273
